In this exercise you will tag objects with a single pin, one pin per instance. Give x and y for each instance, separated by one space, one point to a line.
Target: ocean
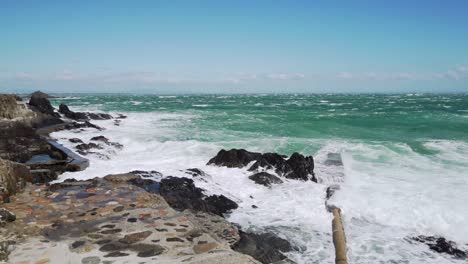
401 162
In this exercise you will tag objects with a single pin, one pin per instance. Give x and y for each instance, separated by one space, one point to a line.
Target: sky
237 46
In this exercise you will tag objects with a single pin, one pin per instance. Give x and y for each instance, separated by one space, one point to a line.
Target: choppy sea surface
404 165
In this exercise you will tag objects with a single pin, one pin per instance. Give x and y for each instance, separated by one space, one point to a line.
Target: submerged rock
442 245
195 172
265 178
297 167
266 247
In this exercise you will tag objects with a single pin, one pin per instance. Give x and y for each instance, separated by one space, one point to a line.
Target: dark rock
121 116
75 140
99 116
63 109
78 244
135 237
106 141
86 147
195 172
300 167
6 215
116 254
174 239
265 178
234 158
147 174
132 220
147 250
40 102
181 194
442 245
113 246
296 167
266 247
147 184
76 125
220 204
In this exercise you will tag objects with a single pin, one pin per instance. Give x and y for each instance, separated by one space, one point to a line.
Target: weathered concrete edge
339 238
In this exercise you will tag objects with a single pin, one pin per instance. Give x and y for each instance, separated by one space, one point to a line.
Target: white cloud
285 76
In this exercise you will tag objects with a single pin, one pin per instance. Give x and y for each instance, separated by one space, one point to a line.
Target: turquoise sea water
405 161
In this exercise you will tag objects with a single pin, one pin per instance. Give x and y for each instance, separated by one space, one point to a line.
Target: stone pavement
110 221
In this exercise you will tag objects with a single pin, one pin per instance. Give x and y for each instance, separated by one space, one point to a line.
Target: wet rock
86 147
99 116
106 141
220 204
181 194
265 178
75 140
147 184
121 116
63 109
266 247
442 245
234 158
296 167
135 237
40 102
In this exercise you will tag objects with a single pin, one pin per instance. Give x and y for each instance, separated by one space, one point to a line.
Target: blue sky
234 46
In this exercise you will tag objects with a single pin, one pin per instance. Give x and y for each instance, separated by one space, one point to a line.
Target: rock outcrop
297 167
39 101
182 194
82 116
13 178
10 108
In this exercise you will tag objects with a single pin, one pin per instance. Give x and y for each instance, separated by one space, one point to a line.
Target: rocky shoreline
126 218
